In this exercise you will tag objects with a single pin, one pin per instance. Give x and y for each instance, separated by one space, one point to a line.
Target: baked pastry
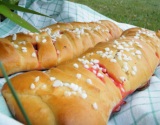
55 44
87 89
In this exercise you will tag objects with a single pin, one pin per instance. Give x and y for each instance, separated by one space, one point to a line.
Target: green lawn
143 13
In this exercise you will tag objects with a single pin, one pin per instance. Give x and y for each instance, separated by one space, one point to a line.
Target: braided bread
55 44
86 90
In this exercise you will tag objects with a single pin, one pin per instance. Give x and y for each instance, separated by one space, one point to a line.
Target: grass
142 13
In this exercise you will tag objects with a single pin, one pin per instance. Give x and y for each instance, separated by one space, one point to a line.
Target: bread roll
55 44
87 89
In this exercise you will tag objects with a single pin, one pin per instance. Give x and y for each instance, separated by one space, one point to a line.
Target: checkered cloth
142 108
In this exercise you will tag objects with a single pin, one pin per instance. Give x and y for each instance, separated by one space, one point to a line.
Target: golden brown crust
158 33
87 89
55 44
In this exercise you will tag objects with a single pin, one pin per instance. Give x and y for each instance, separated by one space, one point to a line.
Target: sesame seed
32 86
140 46
134 68
139 56
89 81
33 54
113 60
78 36
109 56
122 78
15 46
24 43
136 37
52 78
44 40
99 75
78 76
95 61
107 49
30 33
37 38
86 66
75 65
95 106
57 83
67 93
24 50
110 52
133 53
36 79
44 86
14 37
120 47
84 95
87 33
127 49
133 73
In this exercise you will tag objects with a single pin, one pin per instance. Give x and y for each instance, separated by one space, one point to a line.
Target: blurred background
142 13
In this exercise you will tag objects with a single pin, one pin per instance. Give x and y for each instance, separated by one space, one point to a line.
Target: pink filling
57 52
36 48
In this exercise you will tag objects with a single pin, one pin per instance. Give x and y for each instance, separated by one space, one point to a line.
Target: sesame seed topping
75 65
14 37
140 46
138 52
52 78
122 78
86 66
57 83
136 37
139 56
67 93
24 50
44 40
15 46
32 86
133 73
127 49
134 68
33 54
130 43
44 86
89 81
37 38
110 52
95 61
78 76
78 36
36 79
24 43
84 95
95 106
120 47
87 33
74 87
99 52
99 75
107 49
133 53
30 33
113 60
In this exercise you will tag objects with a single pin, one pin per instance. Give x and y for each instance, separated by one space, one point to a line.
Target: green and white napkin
142 108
